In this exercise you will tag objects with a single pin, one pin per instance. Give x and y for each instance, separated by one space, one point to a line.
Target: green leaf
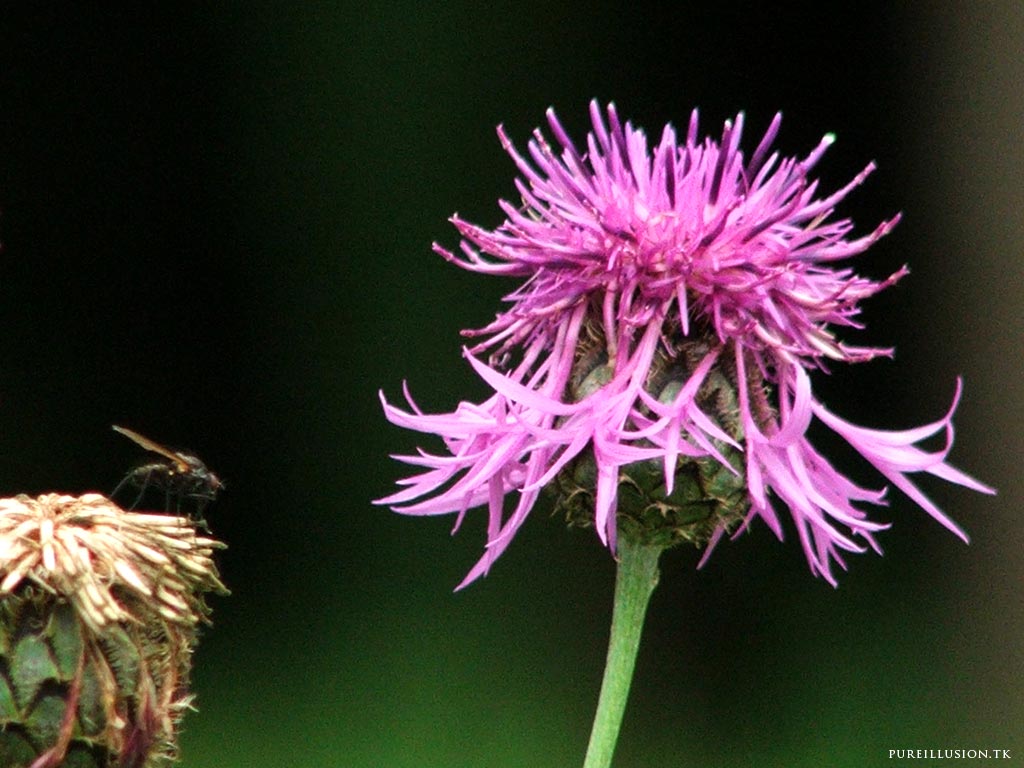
92 716
31 666
65 640
123 657
45 721
15 750
9 712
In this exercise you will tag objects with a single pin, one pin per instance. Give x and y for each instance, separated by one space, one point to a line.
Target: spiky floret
687 249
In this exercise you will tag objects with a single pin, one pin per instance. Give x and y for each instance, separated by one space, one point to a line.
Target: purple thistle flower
674 300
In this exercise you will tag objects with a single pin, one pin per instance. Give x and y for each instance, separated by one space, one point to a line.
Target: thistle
99 610
675 302
653 369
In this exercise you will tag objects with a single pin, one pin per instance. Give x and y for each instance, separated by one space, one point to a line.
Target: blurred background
216 223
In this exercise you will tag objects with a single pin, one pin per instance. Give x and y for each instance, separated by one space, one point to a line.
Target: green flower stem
635 580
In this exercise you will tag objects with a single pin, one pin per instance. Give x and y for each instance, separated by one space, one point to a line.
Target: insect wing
149 445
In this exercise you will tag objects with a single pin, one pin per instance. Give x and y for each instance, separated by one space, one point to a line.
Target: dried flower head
653 366
98 615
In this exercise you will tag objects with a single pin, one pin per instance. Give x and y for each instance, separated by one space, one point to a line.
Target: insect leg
122 484
142 486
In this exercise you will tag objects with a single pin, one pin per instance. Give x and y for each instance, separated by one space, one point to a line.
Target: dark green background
216 227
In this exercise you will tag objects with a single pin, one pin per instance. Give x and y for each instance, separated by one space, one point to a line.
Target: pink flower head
640 253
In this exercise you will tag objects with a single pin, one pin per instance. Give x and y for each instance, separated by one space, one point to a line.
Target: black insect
181 476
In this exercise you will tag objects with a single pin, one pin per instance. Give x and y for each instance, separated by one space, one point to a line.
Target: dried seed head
98 615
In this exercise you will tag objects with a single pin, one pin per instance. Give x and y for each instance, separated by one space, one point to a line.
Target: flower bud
706 493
